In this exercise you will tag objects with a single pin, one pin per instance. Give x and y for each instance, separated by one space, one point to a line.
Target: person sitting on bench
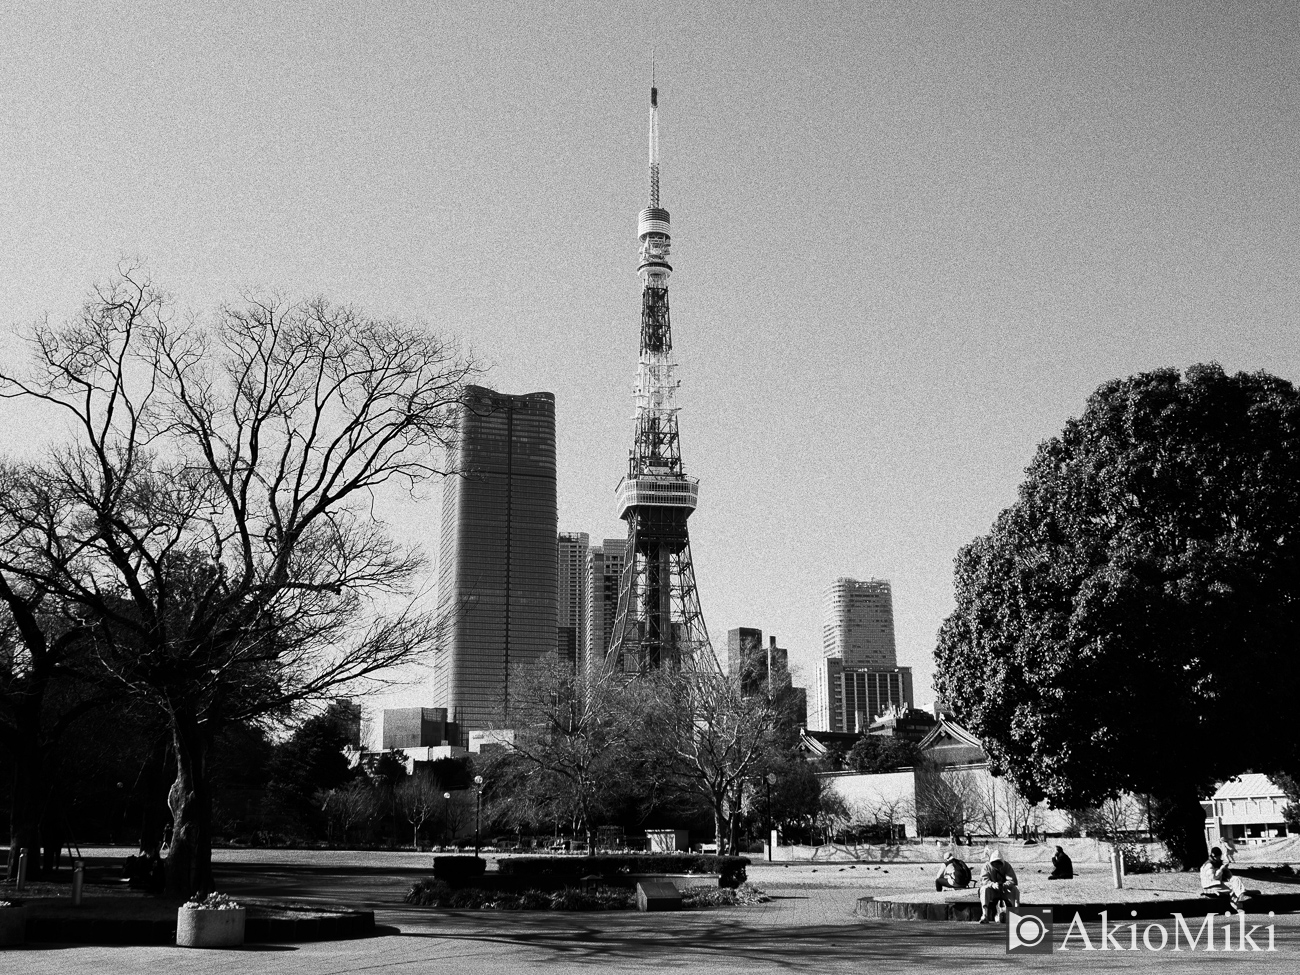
954 873
1217 879
1062 866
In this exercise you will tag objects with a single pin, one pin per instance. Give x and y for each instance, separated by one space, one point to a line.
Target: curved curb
877 908
312 926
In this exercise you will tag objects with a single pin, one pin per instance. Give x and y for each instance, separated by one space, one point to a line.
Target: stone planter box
209 928
13 925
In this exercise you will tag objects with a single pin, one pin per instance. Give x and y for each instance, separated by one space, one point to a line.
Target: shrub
731 870
1138 860
428 893
438 893
702 895
458 871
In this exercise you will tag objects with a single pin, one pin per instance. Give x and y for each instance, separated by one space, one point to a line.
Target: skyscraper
497 589
848 699
858 623
858 676
605 564
755 665
659 619
571 585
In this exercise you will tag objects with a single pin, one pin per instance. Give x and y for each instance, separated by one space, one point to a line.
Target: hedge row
731 870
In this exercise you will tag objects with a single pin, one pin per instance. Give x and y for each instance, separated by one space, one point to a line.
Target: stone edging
334 926
877 908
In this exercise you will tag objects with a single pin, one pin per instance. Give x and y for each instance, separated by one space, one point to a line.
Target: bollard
22 869
78 878
1117 867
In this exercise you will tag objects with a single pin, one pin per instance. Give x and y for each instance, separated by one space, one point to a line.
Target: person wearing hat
998 885
954 873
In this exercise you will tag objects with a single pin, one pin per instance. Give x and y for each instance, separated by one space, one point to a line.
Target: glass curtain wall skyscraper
497 585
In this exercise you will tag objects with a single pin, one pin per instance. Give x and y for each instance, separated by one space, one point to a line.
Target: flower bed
438 893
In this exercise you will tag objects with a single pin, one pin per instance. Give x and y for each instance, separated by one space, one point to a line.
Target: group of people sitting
1000 889
998 885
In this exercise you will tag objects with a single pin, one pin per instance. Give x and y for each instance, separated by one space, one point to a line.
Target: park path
809 926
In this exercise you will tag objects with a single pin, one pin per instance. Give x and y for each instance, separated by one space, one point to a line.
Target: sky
909 240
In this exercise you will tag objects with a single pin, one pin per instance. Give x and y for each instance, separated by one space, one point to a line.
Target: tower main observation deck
659 622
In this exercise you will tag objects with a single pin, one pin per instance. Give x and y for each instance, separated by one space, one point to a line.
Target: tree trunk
189 860
1179 823
27 809
720 828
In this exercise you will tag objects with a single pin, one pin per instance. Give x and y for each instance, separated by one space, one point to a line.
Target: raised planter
201 927
13 925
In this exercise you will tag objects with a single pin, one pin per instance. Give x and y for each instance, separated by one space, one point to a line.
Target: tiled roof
1252 785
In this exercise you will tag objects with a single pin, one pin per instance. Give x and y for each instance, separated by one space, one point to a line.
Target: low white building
1245 809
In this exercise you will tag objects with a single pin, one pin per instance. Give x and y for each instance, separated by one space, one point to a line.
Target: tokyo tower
659 623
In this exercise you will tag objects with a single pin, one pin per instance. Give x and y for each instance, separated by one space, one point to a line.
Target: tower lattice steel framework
659 623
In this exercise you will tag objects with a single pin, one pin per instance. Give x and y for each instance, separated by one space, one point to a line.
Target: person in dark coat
954 873
1062 866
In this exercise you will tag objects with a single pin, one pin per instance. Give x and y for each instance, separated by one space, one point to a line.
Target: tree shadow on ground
700 940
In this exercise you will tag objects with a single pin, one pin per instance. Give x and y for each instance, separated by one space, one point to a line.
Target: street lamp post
478 809
446 806
769 780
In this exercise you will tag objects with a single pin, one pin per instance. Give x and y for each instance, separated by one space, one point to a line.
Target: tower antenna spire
654 137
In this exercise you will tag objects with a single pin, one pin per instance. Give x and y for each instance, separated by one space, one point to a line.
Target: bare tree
708 737
419 799
218 532
947 799
355 803
571 732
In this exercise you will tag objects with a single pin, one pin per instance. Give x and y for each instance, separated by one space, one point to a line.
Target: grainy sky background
909 239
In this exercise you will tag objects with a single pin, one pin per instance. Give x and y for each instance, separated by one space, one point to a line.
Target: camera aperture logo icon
1029 931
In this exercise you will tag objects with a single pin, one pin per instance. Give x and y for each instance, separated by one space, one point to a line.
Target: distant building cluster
513 590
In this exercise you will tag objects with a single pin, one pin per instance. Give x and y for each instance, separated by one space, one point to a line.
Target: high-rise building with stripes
497 591
571 587
605 564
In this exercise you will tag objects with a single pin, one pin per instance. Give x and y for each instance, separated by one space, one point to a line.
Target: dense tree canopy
1130 623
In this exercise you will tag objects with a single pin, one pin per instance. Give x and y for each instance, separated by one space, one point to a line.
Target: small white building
1245 809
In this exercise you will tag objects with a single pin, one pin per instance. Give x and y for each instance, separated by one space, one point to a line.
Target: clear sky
909 239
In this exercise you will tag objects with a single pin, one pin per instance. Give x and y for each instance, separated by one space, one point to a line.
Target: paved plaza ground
809 926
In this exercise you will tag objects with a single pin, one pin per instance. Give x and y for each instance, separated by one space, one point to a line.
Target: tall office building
848 699
754 663
858 623
571 582
497 557
605 564
858 677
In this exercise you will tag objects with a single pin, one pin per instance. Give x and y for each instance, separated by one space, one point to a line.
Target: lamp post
478 809
769 780
446 806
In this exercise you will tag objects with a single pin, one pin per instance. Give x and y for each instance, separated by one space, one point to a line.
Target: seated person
998 885
954 873
1217 879
1062 866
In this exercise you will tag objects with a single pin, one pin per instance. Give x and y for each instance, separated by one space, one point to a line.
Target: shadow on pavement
703 940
